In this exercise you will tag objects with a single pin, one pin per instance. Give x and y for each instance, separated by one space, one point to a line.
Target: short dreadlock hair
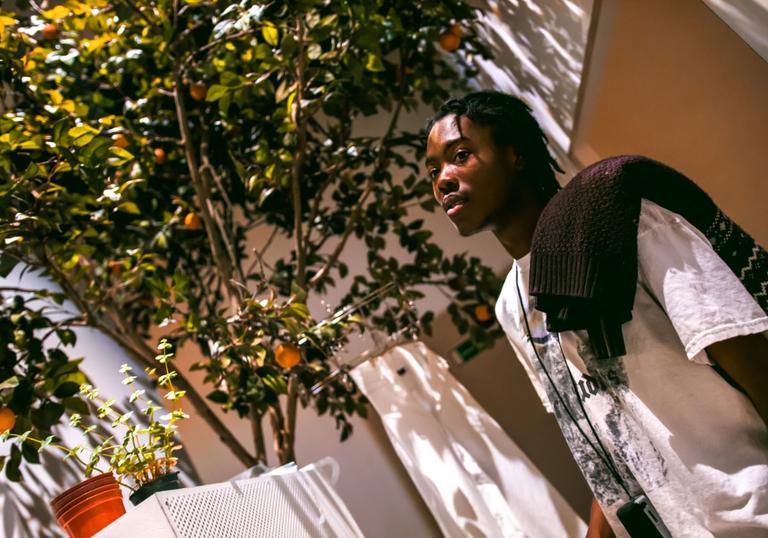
512 124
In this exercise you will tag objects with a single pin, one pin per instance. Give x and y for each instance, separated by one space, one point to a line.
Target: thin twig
19 290
259 255
71 322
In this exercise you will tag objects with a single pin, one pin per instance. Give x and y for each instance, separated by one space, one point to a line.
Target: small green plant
143 452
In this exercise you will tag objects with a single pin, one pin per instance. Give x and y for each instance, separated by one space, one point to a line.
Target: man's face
472 179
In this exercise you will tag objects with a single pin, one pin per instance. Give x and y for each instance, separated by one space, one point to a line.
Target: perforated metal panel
297 504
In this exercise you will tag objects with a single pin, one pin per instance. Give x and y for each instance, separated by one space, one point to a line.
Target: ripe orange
198 91
192 221
50 31
7 419
287 355
455 29
160 156
449 41
482 313
120 140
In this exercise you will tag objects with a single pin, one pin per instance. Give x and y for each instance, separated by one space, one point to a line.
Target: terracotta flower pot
74 499
84 486
163 483
88 507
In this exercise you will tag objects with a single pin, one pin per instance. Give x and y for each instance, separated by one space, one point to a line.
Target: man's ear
514 158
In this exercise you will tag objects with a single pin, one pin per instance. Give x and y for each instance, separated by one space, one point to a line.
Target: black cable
604 458
581 405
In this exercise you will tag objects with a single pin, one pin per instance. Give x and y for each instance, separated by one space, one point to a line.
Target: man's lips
455 209
453 203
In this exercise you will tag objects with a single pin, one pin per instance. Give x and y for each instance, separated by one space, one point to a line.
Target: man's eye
462 155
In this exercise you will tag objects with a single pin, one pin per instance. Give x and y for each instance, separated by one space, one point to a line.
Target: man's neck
515 233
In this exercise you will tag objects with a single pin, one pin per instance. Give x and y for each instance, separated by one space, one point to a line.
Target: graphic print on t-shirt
630 453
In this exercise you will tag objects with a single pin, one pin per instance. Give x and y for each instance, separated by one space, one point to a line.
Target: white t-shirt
674 428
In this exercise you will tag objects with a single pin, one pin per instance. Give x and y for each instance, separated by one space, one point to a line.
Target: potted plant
139 456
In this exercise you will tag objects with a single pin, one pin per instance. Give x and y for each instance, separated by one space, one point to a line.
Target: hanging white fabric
475 480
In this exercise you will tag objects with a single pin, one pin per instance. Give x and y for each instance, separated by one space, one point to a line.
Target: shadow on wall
538 48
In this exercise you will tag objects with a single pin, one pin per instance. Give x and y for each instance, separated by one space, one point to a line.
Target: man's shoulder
618 165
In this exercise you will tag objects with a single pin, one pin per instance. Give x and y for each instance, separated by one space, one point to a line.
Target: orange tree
146 146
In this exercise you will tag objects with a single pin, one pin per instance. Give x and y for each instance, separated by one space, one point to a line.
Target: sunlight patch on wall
539 48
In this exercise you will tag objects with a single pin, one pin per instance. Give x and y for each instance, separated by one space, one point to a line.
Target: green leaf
270 33
67 336
218 396
30 453
123 155
276 383
10 383
129 207
216 92
373 63
76 404
12 470
71 262
67 389
7 263
298 293
300 310
81 130
48 415
58 12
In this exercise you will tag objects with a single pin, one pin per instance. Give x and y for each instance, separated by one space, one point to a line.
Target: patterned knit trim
747 259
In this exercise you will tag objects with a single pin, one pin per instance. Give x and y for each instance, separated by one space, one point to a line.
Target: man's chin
465 230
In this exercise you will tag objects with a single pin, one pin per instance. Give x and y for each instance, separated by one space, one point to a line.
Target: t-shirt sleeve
703 298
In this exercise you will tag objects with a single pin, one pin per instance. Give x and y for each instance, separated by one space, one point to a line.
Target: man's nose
446 182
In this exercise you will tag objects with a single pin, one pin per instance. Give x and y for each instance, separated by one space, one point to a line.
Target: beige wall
670 80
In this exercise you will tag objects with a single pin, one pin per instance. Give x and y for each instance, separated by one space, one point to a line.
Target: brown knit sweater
584 250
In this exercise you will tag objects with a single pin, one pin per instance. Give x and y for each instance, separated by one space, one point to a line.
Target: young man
660 386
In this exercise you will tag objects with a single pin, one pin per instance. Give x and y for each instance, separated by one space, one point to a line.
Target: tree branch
299 157
203 194
291 406
144 354
258 435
